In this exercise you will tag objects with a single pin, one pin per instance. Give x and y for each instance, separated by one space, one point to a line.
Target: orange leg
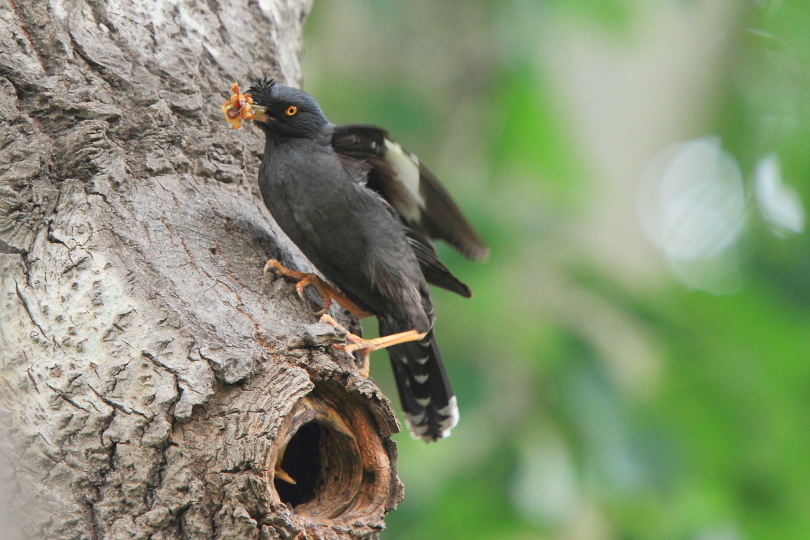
326 291
366 346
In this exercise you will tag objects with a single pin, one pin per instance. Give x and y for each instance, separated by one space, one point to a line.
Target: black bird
364 212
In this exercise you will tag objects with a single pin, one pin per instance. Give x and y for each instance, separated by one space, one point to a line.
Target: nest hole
324 461
333 448
302 461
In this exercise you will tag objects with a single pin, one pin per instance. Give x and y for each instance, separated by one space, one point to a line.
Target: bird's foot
366 346
324 290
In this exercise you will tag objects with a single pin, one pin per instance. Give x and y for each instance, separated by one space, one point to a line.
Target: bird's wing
435 272
357 169
419 198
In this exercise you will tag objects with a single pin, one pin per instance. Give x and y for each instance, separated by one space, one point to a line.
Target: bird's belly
317 223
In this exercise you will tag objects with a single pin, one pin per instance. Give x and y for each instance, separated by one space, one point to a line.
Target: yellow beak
260 113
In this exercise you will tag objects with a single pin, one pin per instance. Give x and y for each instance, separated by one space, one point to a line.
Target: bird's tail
424 391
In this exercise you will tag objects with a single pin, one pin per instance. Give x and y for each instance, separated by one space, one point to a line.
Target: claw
326 291
366 346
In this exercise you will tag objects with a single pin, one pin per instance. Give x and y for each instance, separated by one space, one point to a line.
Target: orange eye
291 110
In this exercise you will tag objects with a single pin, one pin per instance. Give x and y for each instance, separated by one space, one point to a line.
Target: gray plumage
318 180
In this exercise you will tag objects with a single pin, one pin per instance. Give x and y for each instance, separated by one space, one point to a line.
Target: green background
600 397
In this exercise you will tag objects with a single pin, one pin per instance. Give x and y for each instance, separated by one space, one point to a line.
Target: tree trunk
152 379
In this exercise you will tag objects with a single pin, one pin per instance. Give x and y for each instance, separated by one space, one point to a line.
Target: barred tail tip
420 429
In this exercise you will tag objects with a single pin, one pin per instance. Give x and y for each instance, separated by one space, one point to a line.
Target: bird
364 211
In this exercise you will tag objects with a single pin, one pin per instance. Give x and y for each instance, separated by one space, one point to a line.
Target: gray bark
150 375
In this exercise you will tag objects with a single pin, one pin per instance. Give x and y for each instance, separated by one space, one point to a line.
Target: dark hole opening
302 461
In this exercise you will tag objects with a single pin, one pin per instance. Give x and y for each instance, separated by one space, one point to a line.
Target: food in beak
239 107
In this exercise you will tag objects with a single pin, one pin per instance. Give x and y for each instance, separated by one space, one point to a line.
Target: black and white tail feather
424 390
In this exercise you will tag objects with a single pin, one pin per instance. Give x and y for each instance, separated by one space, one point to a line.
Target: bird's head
286 111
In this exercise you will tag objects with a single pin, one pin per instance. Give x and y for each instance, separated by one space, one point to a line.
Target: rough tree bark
150 377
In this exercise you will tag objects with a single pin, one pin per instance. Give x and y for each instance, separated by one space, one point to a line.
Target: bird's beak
260 114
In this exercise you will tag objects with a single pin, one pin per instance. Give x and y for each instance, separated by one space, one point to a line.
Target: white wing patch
407 168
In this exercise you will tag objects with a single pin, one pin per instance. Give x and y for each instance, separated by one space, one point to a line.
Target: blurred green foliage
599 398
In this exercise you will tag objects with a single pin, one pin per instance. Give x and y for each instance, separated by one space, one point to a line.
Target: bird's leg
326 291
366 346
